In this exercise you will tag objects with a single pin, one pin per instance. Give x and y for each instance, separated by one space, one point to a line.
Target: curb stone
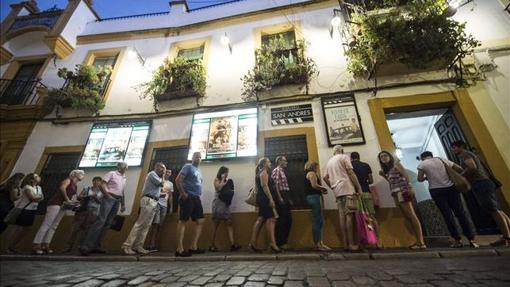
471 252
405 255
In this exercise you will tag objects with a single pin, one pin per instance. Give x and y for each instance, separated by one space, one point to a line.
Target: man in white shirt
447 198
340 177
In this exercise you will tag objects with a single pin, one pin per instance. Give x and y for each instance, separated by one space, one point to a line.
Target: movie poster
136 145
114 146
247 139
222 140
200 133
91 153
342 121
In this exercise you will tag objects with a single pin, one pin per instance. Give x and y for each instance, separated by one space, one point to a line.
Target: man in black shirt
362 171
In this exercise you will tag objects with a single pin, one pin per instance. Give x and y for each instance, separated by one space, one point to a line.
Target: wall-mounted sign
110 143
226 134
343 124
291 115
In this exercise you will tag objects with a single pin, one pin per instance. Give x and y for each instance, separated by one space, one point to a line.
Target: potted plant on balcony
276 65
83 88
406 36
181 78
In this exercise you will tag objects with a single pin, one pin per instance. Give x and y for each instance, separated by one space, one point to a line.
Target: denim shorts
484 192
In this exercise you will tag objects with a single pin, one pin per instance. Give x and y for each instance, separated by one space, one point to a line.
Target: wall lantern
133 53
225 41
453 5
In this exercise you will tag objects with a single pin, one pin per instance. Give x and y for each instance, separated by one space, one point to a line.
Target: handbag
460 182
365 226
351 202
491 176
252 197
14 213
227 192
117 223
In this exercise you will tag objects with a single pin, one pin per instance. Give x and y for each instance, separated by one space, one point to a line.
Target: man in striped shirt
284 203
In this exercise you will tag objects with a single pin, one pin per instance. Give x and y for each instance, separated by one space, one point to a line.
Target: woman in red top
55 211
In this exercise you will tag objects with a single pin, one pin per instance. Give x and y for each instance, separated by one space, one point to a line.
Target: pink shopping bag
364 225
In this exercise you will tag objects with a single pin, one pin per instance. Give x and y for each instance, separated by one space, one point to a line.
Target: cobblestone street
464 271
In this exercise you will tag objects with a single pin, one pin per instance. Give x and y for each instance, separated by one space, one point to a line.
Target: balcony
279 71
19 92
47 19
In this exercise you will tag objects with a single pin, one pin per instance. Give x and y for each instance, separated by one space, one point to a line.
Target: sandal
418 246
456 244
502 242
473 244
254 249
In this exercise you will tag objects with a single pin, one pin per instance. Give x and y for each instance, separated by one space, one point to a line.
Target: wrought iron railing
101 88
48 19
19 92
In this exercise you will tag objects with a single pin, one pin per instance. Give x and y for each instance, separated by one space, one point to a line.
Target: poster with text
222 136
136 146
114 146
199 135
91 153
342 121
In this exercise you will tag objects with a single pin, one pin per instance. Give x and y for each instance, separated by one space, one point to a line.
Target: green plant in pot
418 34
83 88
277 65
179 78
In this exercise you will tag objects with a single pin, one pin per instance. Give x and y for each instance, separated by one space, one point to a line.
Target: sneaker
182 254
98 251
235 247
141 251
196 251
84 252
128 251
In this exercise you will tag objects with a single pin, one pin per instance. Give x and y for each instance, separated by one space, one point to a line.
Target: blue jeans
449 203
107 211
314 200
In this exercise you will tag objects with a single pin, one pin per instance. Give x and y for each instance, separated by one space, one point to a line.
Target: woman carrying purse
55 212
31 195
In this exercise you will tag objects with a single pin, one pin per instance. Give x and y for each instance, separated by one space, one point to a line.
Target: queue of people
348 178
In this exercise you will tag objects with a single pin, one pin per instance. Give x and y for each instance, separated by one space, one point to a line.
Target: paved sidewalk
423 272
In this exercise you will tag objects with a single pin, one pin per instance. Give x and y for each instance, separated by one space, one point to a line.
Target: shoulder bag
14 213
491 176
252 197
227 192
460 182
